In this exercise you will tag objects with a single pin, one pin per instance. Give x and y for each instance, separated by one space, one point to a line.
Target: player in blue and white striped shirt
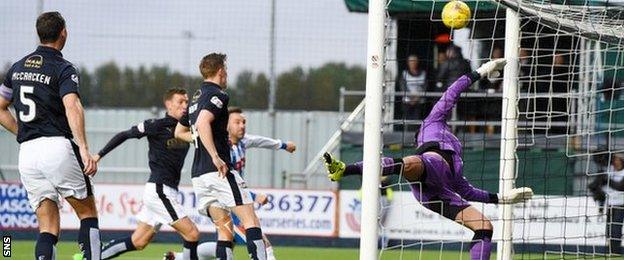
240 141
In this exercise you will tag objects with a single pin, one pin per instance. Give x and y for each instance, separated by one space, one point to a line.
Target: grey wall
128 163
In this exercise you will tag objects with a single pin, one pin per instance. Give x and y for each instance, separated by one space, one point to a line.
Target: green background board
407 6
548 172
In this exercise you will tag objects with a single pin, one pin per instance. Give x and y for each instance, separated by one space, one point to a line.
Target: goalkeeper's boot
516 195
335 168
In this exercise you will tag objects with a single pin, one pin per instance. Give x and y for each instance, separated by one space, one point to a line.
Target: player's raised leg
160 205
205 251
411 167
208 250
481 245
139 239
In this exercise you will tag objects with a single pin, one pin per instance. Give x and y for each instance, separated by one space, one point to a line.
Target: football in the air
456 14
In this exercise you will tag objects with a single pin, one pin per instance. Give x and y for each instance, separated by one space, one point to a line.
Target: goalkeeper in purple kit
435 170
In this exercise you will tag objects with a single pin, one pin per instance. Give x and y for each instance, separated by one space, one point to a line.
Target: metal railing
575 126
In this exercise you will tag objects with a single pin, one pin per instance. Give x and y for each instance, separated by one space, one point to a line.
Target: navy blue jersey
209 97
38 83
166 153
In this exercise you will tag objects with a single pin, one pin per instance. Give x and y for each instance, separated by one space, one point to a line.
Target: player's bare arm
6 118
75 116
183 133
204 130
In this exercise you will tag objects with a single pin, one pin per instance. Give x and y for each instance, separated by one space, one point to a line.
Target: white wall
129 163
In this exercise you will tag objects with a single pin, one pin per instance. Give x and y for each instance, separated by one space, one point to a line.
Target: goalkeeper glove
491 69
516 195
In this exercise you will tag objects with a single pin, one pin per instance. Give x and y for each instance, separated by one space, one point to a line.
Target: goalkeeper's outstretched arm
445 104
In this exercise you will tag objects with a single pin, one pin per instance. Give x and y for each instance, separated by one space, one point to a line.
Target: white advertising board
288 212
543 220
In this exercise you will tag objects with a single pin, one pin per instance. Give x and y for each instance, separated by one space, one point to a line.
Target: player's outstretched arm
117 140
257 141
75 117
6 118
204 129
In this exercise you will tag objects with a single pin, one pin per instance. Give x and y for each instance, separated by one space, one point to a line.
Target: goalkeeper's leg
481 245
411 167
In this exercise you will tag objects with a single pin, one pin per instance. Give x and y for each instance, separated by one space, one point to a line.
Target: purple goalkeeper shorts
435 189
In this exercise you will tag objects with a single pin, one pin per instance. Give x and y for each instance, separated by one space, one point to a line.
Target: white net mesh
569 124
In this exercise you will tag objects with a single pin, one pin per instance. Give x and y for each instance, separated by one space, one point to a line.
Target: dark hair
211 63
172 91
49 26
232 110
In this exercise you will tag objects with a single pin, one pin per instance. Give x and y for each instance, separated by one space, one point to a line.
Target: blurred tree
86 87
108 85
298 89
319 88
292 92
324 84
250 91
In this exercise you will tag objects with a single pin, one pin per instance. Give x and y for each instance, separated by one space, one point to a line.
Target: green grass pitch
22 249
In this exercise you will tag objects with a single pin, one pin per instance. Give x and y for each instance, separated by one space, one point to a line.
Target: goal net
568 131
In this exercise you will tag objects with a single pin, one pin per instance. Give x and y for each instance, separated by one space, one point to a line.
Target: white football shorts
160 205
51 168
225 193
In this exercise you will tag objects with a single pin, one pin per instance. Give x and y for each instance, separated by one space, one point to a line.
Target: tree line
112 86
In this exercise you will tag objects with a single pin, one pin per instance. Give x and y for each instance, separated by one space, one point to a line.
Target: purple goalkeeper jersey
435 128
441 183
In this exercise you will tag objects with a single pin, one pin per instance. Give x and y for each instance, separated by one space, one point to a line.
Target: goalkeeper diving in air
435 170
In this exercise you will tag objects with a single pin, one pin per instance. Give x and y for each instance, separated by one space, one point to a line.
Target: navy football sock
46 246
117 247
190 250
255 245
224 250
89 238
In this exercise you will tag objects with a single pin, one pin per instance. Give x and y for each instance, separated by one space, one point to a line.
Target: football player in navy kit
160 197
218 186
240 141
54 159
